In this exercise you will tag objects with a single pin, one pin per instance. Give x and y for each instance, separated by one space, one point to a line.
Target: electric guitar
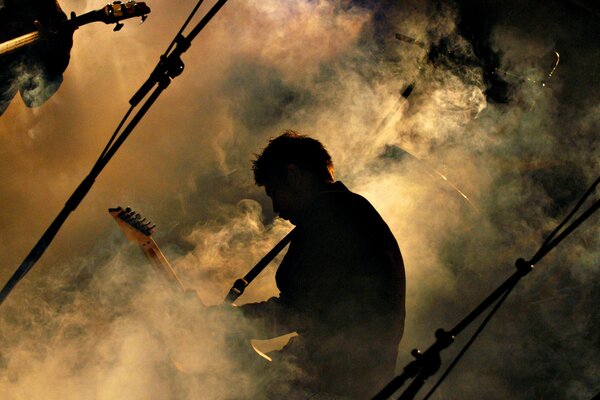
138 230
109 14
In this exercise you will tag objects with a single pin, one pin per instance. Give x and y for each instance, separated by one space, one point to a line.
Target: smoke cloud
467 186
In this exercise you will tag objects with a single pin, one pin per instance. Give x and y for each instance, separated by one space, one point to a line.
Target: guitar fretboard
14 44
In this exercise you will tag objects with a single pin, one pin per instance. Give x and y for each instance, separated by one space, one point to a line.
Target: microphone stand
169 67
428 363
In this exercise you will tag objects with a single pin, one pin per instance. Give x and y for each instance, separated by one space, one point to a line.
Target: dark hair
292 148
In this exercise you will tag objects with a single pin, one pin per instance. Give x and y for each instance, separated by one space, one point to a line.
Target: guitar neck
17 43
138 230
160 263
30 38
75 22
83 19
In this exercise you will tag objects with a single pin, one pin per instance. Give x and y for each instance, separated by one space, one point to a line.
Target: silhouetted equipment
428 363
109 14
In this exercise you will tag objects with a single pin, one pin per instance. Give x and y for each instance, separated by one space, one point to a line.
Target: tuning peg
118 27
144 17
73 24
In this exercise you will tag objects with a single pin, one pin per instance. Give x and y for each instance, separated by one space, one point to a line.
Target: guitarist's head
293 169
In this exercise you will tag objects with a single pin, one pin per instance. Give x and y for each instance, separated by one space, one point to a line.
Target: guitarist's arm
271 318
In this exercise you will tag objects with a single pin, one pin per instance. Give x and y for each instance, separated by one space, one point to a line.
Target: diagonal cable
570 215
468 344
425 364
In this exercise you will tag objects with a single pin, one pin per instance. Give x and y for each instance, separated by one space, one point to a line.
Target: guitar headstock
118 11
136 228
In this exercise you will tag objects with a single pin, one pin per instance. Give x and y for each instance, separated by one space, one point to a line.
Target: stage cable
548 244
417 370
468 344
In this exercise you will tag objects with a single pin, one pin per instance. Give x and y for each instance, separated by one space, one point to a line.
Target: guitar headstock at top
118 11
112 13
136 228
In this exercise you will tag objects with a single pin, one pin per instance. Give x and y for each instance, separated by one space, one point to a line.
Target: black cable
114 135
550 242
469 343
185 24
169 48
546 249
548 245
74 200
420 369
568 217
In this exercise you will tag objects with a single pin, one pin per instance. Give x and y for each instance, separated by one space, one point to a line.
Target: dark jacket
342 289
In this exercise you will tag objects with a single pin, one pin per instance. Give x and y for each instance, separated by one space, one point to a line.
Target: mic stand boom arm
170 65
426 364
